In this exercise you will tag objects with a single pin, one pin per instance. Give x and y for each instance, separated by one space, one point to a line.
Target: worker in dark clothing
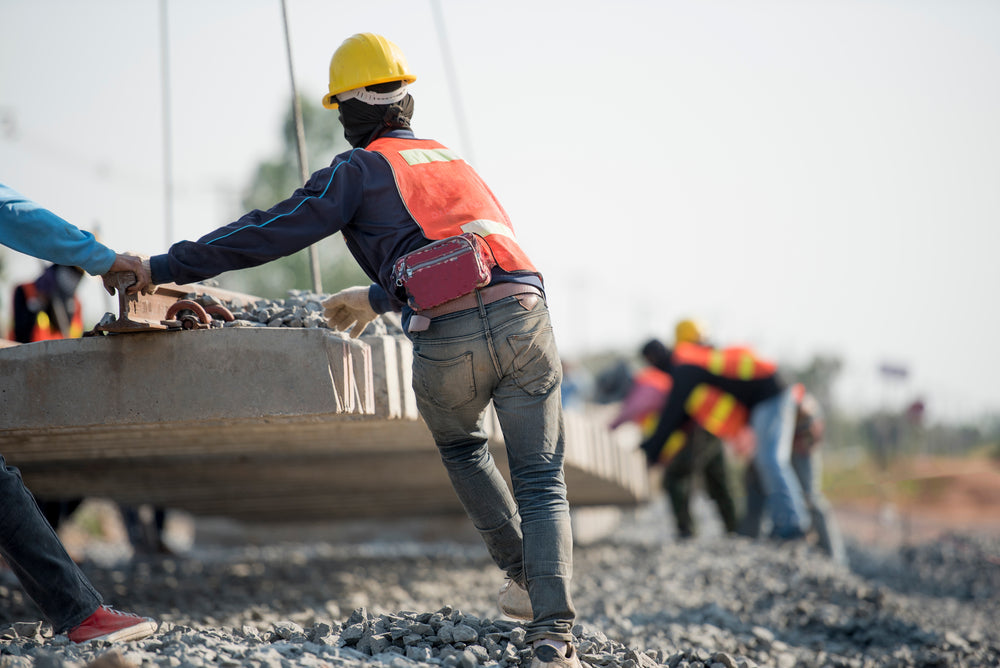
695 451
705 454
477 318
48 308
724 390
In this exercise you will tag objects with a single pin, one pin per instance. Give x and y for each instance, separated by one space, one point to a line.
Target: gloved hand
347 307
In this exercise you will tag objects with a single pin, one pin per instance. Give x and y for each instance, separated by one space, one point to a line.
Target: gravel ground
643 600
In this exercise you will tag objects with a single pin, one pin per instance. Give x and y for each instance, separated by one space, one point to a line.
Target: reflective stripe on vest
718 412
446 197
737 363
674 444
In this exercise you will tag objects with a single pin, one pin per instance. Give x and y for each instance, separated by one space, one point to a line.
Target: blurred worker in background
577 386
807 462
146 527
391 196
644 400
28 542
44 310
724 390
692 450
48 307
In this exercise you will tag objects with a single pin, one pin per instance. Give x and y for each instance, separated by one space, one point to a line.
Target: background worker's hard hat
690 331
363 60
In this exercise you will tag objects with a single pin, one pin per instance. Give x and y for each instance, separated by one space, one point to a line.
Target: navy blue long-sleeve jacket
356 195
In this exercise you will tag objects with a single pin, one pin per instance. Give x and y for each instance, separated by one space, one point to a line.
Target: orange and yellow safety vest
45 329
716 410
446 197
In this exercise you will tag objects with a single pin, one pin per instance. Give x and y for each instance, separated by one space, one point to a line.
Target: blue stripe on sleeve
282 215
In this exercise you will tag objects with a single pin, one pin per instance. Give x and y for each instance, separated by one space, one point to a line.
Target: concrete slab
264 424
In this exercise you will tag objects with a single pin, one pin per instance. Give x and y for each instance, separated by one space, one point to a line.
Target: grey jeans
773 422
505 352
808 470
33 550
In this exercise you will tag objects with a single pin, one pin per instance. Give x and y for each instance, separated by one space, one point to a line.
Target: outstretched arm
29 228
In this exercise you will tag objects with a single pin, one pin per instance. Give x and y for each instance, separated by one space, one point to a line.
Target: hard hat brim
330 99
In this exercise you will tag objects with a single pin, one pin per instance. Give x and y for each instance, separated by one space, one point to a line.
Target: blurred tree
275 180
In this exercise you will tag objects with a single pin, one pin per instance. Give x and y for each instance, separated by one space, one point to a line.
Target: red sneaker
112 625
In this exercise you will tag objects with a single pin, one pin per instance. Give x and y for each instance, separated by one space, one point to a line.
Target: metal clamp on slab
171 307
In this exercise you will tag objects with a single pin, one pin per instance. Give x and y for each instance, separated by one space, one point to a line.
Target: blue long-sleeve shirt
355 195
31 229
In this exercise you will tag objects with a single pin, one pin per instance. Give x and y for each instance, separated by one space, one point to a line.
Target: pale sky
807 177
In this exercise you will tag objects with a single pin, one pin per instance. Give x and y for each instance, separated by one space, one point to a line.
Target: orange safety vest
717 411
737 362
45 329
446 197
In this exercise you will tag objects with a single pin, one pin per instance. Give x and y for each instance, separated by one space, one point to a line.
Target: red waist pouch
444 270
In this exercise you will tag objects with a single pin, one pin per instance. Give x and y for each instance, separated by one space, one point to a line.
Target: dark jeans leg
677 484
39 560
753 516
717 485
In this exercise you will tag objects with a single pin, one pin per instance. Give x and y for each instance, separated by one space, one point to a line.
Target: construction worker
644 400
48 308
704 454
27 541
391 196
724 390
693 450
807 463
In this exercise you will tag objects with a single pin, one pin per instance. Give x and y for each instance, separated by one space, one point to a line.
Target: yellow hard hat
690 331
363 60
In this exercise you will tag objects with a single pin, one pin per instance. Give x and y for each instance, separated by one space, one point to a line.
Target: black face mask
363 123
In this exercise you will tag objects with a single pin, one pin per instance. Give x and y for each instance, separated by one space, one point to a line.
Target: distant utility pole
456 95
300 138
168 160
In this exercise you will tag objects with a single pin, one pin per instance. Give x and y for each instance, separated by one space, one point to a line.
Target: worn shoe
514 601
112 625
547 656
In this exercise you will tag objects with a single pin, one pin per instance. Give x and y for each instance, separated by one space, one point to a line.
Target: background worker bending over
724 390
